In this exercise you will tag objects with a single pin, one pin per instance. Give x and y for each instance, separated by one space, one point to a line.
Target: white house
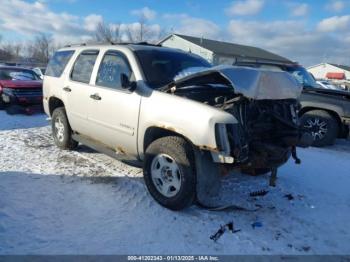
217 52
330 71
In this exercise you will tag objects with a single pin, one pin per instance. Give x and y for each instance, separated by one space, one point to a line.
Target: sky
306 31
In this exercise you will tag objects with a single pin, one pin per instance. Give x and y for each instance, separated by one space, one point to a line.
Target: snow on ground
83 202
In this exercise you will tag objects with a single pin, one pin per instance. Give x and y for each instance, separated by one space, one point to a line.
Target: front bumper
24 99
346 120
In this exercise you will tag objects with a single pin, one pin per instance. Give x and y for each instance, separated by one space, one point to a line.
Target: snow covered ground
83 202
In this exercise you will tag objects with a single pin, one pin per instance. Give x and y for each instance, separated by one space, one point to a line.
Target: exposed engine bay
266 132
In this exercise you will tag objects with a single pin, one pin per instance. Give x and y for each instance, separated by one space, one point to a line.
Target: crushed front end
265 105
266 133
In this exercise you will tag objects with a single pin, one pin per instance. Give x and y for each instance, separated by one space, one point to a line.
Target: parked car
40 71
327 85
20 89
183 120
325 113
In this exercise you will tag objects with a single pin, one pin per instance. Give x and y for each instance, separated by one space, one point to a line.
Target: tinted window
302 76
112 66
83 66
17 74
160 66
58 63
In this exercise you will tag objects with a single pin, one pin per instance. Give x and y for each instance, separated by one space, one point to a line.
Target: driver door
113 111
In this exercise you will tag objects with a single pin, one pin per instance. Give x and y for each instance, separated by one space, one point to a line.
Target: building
330 71
217 52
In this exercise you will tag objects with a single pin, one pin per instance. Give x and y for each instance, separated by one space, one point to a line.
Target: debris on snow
289 197
229 226
258 193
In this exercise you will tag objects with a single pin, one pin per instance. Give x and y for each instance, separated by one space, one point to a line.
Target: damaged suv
186 121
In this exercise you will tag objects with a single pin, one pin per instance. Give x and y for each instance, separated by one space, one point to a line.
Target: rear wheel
61 130
169 172
321 125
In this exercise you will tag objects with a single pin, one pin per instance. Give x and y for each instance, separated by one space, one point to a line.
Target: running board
106 150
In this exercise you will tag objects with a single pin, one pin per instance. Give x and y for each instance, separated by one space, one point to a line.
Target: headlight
5 98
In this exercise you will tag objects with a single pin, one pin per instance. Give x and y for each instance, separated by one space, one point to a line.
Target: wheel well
153 133
54 103
332 113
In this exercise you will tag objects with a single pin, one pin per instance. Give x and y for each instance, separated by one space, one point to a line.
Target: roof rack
72 45
113 43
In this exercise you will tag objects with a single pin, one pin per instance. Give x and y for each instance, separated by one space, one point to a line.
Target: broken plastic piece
273 177
229 226
258 193
289 196
257 224
295 156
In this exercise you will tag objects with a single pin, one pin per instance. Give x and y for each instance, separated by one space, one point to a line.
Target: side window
58 63
112 66
83 66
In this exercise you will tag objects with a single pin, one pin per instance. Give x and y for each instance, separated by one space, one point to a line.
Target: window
112 66
83 66
58 63
17 74
161 66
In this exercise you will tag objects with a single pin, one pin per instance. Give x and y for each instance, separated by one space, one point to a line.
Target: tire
61 130
322 126
12 110
2 104
162 157
256 171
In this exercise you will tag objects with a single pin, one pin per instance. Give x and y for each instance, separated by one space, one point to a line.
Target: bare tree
138 32
108 33
41 48
17 49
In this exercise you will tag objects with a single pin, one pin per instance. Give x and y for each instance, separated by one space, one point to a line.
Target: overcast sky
309 32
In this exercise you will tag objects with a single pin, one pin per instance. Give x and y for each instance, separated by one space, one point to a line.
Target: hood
21 84
254 83
332 92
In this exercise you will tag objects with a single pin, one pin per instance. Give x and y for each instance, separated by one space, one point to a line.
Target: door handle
67 89
95 97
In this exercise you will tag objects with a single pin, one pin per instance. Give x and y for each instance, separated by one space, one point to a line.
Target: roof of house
344 67
230 49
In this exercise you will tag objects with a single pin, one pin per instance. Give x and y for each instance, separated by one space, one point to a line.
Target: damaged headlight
222 138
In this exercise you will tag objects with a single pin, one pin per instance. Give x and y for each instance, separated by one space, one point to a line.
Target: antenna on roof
201 41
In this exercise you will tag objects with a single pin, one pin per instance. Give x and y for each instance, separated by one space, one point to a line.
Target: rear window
58 63
83 66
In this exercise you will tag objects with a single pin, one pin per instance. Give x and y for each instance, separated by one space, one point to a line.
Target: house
330 71
217 52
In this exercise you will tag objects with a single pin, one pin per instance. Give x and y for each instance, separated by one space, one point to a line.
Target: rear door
77 90
114 111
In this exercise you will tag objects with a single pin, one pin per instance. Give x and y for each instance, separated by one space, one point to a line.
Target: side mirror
126 83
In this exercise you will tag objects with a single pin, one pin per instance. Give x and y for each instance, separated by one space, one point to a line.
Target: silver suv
186 121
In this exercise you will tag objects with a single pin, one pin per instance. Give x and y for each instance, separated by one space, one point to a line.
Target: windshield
302 76
17 74
162 66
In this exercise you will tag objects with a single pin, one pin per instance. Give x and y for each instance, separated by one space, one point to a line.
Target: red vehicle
20 90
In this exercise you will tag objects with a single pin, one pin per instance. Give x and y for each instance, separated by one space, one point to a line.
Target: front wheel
61 130
169 172
321 125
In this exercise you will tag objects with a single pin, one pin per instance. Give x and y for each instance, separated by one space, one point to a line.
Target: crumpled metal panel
253 83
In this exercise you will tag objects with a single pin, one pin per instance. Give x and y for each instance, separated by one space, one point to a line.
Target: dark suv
324 113
20 89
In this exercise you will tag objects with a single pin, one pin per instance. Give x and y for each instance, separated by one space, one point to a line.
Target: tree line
42 46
